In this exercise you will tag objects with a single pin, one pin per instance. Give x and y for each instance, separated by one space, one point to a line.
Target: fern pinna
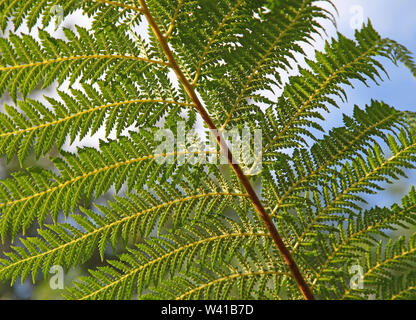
184 230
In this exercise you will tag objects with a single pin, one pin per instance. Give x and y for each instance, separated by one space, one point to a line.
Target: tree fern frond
401 54
38 193
255 200
225 39
360 233
362 176
299 22
197 284
68 246
402 288
156 259
313 90
222 286
176 226
245 278
25 63
342 143
31 11
396 257
219 19
118 107
213 46
410 118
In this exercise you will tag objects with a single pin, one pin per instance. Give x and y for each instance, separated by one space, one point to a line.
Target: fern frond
358 134
176 228
224 284
89 174
82 113
296 25
25 63
226 61
210 243
363 176
310 93
395 257
31 11
68 246
353 239
401 54
245 278
222 22
402 288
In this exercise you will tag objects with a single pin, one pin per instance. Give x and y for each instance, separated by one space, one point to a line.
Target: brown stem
237 169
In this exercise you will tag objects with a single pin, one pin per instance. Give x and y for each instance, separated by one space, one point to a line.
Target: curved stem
303 286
